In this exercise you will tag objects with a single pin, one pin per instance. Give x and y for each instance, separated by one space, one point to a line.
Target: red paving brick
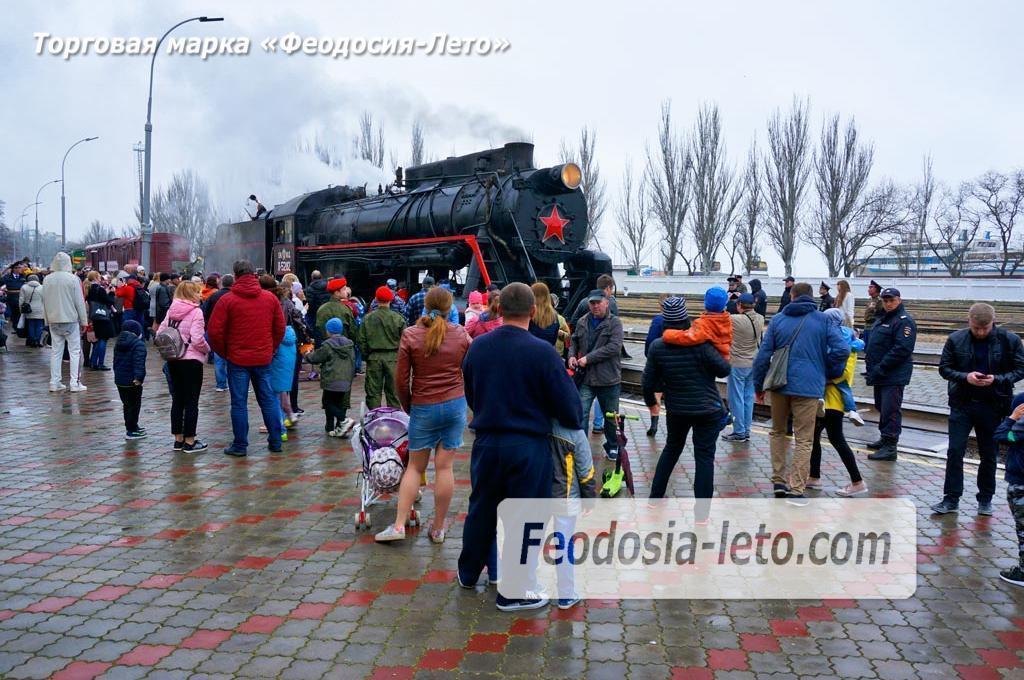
81 670
756 642
145 655
51 604
205 639
260 624
108 593
440 659
311 610
487 642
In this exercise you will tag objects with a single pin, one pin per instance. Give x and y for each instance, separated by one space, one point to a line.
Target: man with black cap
827 301
414 308
596 348
789 281
747 330
889 360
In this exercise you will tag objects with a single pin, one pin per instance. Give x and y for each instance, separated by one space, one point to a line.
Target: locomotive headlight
571 175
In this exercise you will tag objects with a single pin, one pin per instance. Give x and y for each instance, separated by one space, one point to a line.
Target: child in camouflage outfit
1011 432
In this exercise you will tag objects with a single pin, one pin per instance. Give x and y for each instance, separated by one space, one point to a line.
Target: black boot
653 429
877 444
886 452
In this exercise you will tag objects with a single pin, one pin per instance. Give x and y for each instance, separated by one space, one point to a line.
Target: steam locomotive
489 213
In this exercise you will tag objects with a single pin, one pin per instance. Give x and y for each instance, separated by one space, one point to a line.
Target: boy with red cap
378 338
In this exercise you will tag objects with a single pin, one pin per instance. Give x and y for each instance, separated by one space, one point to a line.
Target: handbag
99 311
778 367
26 305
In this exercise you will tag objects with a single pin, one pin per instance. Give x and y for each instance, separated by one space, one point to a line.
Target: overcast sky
939 77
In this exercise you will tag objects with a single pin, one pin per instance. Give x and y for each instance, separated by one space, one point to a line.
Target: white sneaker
390 534
849 490
79 387
855 418
58 388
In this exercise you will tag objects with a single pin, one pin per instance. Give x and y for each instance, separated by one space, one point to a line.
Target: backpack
142 299
169 342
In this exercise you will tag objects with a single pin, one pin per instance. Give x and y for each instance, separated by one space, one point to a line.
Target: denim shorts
444 423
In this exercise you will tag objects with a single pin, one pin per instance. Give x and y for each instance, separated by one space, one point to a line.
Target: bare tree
668 186
786 169
185 208
881 214
842 167
370 144
418 151
751 223
954 229
1000 199
908 254
591 184
634 227
715 195
97 233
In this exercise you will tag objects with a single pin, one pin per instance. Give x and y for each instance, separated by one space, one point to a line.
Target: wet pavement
126 560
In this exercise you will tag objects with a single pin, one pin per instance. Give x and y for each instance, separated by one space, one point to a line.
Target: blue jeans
440 424
846 392
608 401
220 370
238 383
741 399
99 353
34 330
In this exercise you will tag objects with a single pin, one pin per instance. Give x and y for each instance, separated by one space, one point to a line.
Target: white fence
912 288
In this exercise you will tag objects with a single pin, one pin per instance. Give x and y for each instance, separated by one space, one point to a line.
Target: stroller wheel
362 521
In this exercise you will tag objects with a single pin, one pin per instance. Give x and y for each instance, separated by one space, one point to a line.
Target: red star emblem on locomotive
554 225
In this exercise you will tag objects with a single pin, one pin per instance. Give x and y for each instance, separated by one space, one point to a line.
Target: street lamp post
146 228
35 249
14 250
63 226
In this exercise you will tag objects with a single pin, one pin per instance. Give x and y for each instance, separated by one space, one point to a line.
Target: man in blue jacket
889 362
817 353
515 385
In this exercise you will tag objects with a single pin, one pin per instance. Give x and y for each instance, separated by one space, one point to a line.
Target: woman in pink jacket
186 373
487 321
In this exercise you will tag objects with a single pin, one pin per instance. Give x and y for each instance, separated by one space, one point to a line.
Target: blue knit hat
673 309
335 326
132 327
715 300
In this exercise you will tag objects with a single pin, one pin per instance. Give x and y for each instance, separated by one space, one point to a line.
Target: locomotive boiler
486 217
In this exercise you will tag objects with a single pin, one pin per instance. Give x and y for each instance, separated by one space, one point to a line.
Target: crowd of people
513 370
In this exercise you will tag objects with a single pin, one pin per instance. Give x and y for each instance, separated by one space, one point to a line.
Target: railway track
932 317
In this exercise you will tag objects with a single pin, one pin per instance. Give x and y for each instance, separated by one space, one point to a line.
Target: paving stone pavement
126 560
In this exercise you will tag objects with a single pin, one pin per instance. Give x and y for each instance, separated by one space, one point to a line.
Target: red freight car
170 252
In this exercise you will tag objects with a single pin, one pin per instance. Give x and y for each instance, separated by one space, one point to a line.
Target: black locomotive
490 213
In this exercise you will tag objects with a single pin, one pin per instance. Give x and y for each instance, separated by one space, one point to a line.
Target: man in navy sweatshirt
515 384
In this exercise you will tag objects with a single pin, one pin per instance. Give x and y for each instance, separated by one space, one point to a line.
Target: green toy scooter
613 480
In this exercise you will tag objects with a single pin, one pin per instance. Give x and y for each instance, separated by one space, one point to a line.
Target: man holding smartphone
981 363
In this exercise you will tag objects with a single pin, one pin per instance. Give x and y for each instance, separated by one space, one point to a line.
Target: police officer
378 340
827 301
889 359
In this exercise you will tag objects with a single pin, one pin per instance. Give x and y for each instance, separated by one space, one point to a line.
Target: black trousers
705 439
294 395
131 404
187 382
832 425
983 418
889 404
334 408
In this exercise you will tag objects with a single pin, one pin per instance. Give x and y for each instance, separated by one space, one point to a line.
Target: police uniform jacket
890 351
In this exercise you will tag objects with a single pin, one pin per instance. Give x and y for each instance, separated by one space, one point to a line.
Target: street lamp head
208 19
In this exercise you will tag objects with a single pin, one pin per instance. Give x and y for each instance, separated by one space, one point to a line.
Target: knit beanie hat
673 309
476 298
715 300
335 326
132 327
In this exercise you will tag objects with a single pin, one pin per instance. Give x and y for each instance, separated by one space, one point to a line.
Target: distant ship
984 257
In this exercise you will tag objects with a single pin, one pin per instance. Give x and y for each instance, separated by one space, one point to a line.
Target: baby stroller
382 436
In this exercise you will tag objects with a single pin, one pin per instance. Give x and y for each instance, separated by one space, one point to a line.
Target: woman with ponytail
428 380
